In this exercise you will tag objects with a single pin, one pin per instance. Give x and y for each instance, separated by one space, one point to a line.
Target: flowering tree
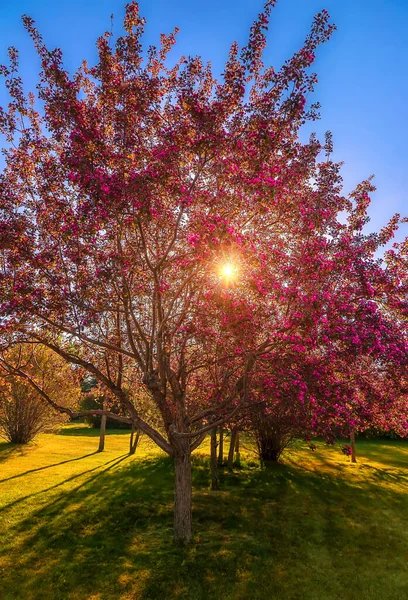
341 366
157 221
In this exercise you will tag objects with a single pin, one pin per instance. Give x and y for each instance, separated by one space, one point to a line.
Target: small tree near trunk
221 447
237 453
234 436
102 430
353 446
214 467
134 440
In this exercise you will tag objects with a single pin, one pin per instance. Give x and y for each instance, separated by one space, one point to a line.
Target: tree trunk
230 461
270 447
133 440
182 495
102 431
214 470
353 446
221 448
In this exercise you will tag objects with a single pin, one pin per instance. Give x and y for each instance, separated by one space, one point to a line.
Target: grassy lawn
81 525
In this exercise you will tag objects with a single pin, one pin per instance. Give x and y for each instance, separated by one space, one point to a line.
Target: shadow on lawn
64 462
111 537
91 431
388 452
8 448
112 463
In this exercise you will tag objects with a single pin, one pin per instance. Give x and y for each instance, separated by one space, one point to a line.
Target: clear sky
363 78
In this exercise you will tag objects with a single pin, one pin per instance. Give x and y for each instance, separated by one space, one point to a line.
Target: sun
228 271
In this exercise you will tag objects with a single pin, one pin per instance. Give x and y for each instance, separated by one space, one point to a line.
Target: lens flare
228 271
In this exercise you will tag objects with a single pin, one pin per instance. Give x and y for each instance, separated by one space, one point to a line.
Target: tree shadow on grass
6 450
397 476
393 453
99 468
91 431
278 533
64 462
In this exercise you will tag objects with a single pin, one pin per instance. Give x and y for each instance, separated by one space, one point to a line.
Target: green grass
76 524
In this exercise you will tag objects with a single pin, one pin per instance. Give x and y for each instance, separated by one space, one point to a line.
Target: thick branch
209 426
119 393
86 338
198 441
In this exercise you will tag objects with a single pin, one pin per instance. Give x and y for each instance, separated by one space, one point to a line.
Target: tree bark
182 495
134 440
353 446
221 448
230 461
102 431
214 470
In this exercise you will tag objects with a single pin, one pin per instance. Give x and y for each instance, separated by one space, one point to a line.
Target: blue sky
363 82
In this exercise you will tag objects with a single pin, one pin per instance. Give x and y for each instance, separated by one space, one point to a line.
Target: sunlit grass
79 524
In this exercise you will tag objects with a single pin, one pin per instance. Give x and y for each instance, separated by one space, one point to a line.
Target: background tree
23 411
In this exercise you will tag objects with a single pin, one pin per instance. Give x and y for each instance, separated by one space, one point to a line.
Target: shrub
23 413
